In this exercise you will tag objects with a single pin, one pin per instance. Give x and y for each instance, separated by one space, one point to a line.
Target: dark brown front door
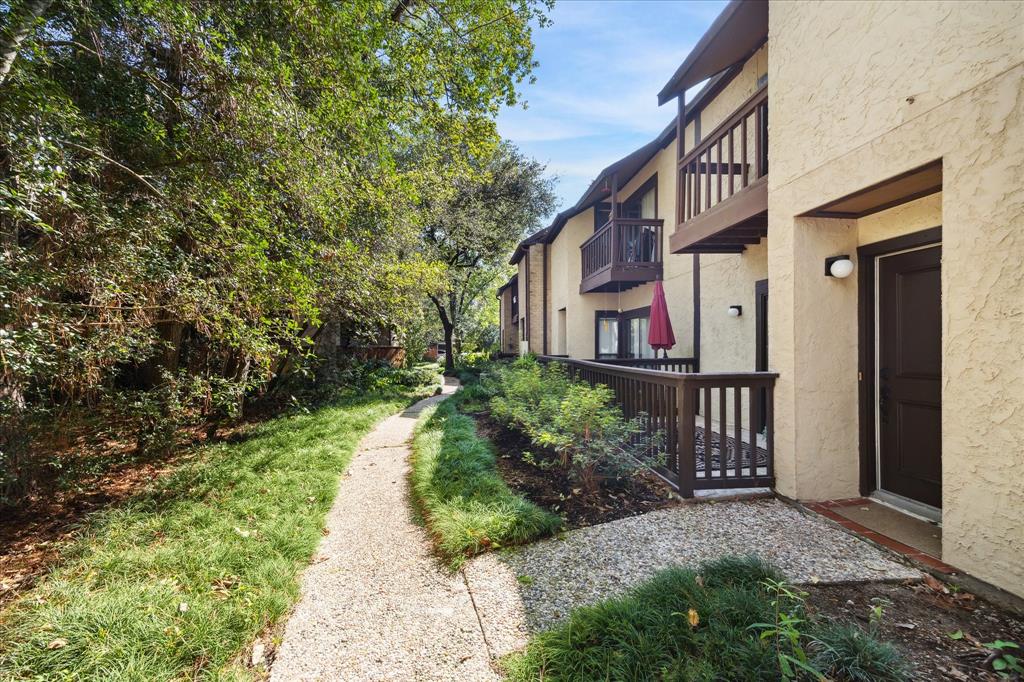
910 375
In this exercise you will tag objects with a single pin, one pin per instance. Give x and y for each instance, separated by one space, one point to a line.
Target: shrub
578 421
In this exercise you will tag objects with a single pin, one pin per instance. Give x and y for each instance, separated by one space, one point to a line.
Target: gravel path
375 604
526 589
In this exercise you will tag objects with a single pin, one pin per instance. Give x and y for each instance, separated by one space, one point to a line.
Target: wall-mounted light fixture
735 310
839 267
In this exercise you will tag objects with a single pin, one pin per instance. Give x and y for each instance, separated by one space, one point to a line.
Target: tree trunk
447 317
18 28
449 356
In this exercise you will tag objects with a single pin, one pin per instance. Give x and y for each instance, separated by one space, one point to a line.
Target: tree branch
17 31
128 171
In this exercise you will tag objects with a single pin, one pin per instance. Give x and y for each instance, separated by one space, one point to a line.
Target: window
623 335
602 213
607 335
641 241
637 346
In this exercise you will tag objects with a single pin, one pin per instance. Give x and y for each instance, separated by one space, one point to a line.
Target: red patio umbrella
659 331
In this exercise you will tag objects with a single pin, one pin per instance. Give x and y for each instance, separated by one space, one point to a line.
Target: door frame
761 345
867 342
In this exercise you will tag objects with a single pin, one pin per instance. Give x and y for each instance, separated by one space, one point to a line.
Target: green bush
580 422
696 625
462 498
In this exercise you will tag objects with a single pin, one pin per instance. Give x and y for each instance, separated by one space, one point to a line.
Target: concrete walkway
375 604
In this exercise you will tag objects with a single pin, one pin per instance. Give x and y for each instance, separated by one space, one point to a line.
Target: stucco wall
566 272
861 92
731 97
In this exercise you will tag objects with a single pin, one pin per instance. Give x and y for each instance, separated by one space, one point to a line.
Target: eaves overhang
738 32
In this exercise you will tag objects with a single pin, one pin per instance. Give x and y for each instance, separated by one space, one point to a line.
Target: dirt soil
920 618
33 534
550 488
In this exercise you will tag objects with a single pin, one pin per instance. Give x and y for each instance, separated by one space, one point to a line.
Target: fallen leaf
693 617
934 584
58 643
815 580
699 580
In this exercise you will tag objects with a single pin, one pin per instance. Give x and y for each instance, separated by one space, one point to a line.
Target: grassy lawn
686 625
460 494
174 584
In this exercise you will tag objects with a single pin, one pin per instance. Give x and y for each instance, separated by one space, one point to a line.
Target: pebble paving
376 604
541 583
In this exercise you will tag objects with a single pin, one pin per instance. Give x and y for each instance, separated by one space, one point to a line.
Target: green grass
647 634
457 488
174 584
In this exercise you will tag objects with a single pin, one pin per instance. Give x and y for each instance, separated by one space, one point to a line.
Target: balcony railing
623 253
705 420
663 364
722 182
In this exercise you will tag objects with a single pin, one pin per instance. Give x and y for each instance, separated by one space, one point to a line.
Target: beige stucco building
888 135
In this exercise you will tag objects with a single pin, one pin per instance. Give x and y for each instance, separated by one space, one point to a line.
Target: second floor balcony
722 190
624 253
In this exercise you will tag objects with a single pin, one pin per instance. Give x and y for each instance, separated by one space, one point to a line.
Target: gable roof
740 29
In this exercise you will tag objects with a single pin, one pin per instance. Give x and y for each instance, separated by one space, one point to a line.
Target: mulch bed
919 621
551 488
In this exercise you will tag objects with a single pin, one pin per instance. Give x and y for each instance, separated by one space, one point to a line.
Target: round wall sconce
839 267
735 310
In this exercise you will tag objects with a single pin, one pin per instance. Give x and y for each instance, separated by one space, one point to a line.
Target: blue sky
602 63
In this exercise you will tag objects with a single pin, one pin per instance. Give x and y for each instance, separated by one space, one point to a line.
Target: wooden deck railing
663 364
728 160
713 448
625 242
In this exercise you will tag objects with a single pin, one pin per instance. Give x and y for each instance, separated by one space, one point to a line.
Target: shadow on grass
460 495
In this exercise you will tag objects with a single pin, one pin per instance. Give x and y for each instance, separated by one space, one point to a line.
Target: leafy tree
475 227
188 188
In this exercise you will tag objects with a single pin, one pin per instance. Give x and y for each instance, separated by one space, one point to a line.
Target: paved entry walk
375 604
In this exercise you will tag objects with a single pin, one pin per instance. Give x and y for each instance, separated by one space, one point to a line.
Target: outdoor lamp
735 310
839 267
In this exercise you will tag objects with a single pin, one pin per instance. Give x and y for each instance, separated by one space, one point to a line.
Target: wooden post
685 451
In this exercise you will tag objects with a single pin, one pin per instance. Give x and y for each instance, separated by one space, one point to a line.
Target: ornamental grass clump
579 422
459 493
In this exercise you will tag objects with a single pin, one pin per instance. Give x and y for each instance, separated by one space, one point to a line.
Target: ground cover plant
457 489
733 619
176 582
579 422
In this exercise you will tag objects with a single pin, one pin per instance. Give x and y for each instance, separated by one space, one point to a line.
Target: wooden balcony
722 190
625 253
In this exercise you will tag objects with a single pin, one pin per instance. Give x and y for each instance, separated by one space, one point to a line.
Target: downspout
681 152
696 312
527 309
544 253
